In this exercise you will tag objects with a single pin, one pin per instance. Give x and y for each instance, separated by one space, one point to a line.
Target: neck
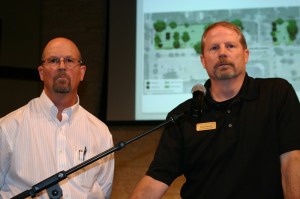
62 101
222 90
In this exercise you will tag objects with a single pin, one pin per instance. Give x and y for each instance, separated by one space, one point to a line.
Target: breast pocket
87 175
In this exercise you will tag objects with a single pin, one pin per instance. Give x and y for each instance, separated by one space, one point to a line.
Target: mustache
61 74
223 61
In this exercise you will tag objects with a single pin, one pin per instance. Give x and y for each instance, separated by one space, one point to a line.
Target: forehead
61 48
221 34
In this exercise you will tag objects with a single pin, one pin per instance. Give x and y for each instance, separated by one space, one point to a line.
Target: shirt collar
50 110
249 90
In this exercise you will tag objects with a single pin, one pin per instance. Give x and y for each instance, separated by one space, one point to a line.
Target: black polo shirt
234 149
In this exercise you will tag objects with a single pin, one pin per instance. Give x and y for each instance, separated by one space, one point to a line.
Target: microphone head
200 88
199 92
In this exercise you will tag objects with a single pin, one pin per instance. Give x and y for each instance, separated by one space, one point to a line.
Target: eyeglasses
68 62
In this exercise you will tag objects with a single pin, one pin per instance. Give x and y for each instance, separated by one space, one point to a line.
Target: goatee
62 83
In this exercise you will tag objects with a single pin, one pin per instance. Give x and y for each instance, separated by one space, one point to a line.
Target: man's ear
82 72
246 54
202 60
41 72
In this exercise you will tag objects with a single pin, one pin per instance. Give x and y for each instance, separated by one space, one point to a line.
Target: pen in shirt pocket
82 154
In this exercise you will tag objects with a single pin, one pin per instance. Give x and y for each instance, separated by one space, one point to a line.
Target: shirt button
229 125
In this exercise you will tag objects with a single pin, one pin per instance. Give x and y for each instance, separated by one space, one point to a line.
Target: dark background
26 26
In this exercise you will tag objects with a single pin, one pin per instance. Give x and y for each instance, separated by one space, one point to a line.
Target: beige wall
132 161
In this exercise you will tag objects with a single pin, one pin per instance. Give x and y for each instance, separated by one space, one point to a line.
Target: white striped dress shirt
34 145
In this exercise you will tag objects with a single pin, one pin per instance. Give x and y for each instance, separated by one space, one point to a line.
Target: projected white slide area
168 36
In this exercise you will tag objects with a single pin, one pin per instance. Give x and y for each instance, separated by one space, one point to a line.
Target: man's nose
222 50
62 63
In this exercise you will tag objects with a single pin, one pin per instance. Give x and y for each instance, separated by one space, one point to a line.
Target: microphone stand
51 184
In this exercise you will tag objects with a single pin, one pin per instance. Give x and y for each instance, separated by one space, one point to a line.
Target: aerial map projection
172 46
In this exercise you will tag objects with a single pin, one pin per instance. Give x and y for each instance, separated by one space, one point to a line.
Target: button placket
61 144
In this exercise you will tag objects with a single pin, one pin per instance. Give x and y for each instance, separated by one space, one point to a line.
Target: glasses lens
68 62
53 61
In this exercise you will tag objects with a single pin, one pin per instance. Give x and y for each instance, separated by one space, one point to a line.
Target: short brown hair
226 25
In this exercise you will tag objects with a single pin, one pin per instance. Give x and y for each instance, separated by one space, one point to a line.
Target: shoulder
275 87
272 84
277 93
183 107
22 112
13 119
94 122
10 124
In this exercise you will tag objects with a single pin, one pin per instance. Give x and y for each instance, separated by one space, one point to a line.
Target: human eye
53 60
230 46
214 48
69 60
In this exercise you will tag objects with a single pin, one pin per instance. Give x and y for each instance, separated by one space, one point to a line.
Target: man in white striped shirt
54 133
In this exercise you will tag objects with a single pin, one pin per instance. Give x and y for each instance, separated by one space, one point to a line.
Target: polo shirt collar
249 90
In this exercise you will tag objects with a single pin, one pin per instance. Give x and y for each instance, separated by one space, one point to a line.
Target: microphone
199 92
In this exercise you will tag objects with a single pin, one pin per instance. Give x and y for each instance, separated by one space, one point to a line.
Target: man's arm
5 151
290 172
149 188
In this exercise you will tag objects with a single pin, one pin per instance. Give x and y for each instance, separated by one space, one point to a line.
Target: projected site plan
172 63
171 48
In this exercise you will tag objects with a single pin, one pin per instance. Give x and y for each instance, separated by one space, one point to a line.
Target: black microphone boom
51 184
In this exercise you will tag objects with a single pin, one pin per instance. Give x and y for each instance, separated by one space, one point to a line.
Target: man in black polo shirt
245 144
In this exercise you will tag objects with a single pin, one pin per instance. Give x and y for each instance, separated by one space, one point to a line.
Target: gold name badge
206 126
